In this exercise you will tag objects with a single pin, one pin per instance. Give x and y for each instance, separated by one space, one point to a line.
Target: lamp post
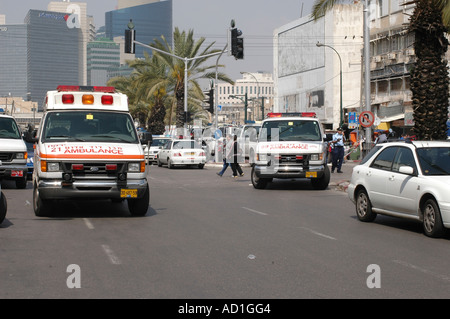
340 75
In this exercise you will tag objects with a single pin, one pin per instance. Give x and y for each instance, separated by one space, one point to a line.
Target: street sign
366 119
217 134
219 107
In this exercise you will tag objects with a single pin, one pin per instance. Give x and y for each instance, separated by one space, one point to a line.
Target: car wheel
40 205
432 221
3 207
322 183
159 163
258 183
21 183
169 163
201 166
138 207
364 207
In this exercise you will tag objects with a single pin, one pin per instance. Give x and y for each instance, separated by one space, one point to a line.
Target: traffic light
237 44
210 100
130 36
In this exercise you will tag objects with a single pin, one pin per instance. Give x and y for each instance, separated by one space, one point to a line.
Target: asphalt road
206 237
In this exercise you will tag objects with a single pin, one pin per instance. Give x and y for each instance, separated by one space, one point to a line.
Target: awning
392 118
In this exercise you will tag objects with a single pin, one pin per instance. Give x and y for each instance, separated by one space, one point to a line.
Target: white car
158 142
405 179
182 152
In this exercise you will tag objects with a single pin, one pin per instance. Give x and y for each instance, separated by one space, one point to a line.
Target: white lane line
255 211
318 234
112 257
422 270
88 223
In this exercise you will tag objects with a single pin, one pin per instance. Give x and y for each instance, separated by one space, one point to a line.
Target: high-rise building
52 53
77 18
103 56
152 19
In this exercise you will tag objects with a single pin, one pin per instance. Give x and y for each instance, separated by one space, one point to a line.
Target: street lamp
340 73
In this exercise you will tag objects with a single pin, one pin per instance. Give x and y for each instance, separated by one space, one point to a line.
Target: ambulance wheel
40 206
138 207
21 183
258 183
322 183
3 207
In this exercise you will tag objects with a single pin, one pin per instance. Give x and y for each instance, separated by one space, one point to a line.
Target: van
87 147
13 152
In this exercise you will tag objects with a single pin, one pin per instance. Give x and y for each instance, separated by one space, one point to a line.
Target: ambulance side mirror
145 138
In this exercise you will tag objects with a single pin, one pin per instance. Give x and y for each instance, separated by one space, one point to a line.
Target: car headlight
262 157
316 157
52 167
134 167
21 155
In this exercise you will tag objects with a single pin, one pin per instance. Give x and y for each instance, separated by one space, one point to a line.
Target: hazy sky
208 18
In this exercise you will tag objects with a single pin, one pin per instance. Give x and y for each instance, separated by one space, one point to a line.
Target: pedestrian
338 150
226 162
234 151
382 138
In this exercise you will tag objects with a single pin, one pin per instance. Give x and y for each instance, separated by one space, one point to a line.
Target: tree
184 46
429 77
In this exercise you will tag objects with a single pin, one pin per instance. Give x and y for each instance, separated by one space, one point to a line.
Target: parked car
182 152
3 205
151 154
408 179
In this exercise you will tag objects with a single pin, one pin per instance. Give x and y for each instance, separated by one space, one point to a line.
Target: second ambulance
88 148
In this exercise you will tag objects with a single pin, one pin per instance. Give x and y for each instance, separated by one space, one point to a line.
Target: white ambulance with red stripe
87 147
291 145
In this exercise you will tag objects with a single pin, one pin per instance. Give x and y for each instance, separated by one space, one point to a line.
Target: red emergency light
103 89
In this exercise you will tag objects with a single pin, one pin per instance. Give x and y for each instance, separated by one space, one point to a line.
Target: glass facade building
151 21
13 60
52 53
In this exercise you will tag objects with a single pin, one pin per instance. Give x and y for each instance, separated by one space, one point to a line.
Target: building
103 56
77 18
307 77
13 61
52 53
151 18
259 90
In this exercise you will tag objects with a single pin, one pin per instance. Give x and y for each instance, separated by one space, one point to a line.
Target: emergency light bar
102 89
289 114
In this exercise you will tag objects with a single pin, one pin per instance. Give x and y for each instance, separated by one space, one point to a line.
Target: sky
257 19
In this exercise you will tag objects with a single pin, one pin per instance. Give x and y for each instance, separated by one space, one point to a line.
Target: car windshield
89 127
8 128
159 142
434 160
185 144
290 130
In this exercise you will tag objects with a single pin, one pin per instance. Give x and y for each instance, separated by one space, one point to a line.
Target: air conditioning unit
377 58
391 56
410 52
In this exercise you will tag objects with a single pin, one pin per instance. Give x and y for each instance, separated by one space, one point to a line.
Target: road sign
366 119
352 117
217 134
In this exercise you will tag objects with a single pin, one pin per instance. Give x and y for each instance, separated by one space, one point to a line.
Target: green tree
429 78
185 46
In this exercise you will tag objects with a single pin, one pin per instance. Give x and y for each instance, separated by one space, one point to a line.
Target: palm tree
184 46
429 78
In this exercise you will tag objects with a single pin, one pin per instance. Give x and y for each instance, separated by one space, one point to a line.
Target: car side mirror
406 170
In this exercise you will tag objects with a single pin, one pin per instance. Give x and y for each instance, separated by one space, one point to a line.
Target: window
404 157
385 158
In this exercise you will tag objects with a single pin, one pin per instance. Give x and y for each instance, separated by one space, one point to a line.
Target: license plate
16 173
128 193
311 174
190 154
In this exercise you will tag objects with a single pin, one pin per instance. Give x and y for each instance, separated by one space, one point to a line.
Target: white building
307 77
259 90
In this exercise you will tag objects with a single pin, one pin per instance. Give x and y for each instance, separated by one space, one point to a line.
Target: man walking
338 150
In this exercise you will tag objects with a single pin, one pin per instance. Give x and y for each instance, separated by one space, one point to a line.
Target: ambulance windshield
290 130
90 127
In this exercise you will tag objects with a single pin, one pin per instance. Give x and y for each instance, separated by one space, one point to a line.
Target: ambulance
291 146
87 147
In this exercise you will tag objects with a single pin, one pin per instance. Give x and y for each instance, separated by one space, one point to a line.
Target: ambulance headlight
52 167
134 167
262 157
316 157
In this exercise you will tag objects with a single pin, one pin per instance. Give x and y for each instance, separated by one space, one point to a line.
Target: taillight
68 99
88 99
77 167
176 154
107 100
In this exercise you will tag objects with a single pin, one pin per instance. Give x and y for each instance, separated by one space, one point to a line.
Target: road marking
88 223
318 234
255 211
425 271
112 257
